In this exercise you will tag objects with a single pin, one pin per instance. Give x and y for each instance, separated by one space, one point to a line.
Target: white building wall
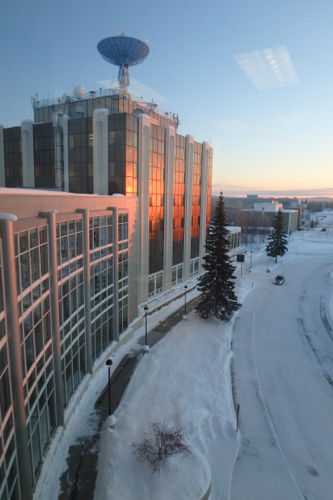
100 152
267 207
143 193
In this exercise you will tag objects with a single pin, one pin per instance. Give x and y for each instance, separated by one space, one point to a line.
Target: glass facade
123 271
194 267
209 190
177 274
101 282
80 155
156 198
44 158
13 156
178 200
155 284
123 154
69 238
32 272
196 199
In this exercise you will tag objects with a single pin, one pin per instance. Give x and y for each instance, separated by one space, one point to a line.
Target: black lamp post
108 364
146 316
185 297
251 260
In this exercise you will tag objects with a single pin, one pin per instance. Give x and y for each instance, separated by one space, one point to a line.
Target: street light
185 298
251 260
146 317
108 364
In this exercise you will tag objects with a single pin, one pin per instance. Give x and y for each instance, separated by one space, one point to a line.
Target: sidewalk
78 481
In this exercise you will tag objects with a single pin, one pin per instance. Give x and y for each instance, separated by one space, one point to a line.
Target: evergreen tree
278 242
217 284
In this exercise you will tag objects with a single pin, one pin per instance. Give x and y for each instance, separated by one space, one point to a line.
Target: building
264 216
234 238
102 206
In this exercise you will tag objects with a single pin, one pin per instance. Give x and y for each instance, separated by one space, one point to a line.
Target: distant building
290 216
235 239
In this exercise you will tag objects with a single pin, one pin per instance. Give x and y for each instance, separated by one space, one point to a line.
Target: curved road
283 364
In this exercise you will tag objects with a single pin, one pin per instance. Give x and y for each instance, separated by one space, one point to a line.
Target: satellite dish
123 51
65 98
137 112
79 92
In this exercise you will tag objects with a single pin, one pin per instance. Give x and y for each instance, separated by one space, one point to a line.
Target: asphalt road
283 375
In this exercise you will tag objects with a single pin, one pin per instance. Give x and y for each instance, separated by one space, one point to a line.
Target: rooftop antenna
123 51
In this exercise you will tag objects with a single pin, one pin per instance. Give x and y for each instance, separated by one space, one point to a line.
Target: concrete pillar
2 159
54 299
28 167
86 280
16 375
63 123
168 206
189 155
115 276
100 151
143 193
203 207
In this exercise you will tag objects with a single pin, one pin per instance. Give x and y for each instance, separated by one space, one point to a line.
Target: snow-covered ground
281 355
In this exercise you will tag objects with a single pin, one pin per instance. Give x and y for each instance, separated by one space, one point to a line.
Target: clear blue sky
266 140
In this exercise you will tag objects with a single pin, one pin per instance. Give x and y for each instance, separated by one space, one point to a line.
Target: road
283 375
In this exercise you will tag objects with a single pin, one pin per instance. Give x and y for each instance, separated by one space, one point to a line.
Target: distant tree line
318 205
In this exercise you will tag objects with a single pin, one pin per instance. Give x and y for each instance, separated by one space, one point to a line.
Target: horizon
261 195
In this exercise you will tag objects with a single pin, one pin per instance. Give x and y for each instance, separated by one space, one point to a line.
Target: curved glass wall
123 271
71 304
32 272
101 282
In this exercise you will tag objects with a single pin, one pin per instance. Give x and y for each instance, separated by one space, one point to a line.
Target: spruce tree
217 284
277 242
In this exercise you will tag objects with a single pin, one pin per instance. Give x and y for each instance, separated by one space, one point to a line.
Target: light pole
185 297
251 260
146 316
108 364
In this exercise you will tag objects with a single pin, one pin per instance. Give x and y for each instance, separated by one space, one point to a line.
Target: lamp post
146 317
108 364
185 298
251 260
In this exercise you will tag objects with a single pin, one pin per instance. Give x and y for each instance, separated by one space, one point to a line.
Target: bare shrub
160 442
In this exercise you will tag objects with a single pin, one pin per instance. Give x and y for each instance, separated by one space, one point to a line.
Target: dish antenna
123 51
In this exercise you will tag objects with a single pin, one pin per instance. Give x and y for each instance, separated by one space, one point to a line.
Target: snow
280 354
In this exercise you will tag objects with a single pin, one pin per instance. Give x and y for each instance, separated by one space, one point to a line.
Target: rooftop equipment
123 51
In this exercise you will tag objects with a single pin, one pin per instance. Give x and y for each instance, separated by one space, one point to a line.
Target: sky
254 79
